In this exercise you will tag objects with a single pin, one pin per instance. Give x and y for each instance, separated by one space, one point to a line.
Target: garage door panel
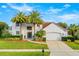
53 36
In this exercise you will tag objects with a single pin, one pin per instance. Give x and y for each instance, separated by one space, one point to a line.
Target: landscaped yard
73 45
24 54
4 44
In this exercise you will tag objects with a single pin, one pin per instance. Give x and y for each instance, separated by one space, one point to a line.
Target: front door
29 35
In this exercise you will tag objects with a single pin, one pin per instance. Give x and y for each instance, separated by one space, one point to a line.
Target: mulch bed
39 41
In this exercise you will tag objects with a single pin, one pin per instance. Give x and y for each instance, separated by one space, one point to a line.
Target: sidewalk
22 50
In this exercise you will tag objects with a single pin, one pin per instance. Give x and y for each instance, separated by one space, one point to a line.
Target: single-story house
53 31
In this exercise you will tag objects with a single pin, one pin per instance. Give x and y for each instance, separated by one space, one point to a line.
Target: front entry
29 35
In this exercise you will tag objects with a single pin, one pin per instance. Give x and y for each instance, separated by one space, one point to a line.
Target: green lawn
20 45
24 54
73 45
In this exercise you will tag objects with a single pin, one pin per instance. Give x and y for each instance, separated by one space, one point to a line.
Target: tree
40 34
35 18
20 18
63 25
3 27
77 34
72 30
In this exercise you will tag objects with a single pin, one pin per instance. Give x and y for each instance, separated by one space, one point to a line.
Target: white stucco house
53 31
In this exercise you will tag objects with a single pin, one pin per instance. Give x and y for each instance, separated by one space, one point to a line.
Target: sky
49 12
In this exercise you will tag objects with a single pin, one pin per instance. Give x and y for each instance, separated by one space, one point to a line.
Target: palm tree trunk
34 31
72 33
73 37
21 31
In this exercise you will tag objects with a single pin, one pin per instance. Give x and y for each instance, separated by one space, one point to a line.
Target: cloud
56 16
4 6
69 16
21 8
67 5
55 10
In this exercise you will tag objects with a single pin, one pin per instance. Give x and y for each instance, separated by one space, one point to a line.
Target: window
17 24
29 28
17 32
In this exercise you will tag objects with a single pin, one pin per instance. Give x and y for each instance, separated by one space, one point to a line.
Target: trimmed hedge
11 37
68 38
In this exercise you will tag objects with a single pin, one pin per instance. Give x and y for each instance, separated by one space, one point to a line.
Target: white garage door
53 36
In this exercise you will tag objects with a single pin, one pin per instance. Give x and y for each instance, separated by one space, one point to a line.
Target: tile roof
48 23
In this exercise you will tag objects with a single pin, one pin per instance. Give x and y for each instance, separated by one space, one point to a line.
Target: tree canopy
63 25
40 33
3 27
34 17
72 29
20 18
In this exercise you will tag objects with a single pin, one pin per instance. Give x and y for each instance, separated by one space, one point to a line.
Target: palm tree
20 18
35 18
72 29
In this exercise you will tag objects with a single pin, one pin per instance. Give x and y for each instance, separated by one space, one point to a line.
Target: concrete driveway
59 48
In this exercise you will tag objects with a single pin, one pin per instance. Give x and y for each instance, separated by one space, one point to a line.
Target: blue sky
52 12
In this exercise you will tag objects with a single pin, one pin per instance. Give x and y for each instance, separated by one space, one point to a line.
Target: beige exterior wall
53 32
24 30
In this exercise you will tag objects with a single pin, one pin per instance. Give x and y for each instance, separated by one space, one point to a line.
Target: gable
54 28
46 24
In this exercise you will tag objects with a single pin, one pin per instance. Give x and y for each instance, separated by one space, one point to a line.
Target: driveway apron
59 48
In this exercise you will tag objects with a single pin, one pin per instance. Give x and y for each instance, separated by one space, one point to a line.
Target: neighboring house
53 31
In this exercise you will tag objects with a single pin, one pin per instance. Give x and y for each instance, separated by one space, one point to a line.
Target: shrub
15 36
77 35
39 34
44 39
21 36
11 37
64 38
68 38
5 35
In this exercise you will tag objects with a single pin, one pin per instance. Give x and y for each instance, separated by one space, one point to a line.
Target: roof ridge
48 23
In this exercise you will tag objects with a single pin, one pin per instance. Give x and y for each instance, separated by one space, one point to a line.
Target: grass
4 44
73 45
24 54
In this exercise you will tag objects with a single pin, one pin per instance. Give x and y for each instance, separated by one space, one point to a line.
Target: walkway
59 48
36 42
22 50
